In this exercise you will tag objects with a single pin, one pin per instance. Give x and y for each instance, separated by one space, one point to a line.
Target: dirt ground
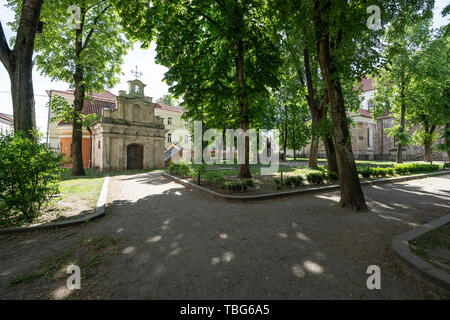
164 241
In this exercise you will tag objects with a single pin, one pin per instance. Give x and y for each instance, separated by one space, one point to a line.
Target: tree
220 54
169 100
19 62
393 85
430 92
299 46
347 49
88 56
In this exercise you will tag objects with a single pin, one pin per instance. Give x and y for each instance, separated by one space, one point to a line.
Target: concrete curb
418 266
99 213
276 195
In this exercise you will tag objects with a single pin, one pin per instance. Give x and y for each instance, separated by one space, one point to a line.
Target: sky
153 73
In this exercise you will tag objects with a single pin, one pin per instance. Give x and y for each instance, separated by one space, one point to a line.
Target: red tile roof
367 84
163 106
365 113
6 117
96 106
99 101
103 96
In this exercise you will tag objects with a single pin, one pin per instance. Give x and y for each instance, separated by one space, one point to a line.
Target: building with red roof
59 137
6 123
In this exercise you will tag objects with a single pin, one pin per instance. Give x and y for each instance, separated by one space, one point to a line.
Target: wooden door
135 157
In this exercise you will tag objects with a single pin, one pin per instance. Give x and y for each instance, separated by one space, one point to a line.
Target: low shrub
316 177
249 183
294 181
29 178
239 186
379 172
332 176
401 169
365 172
182 168
404 169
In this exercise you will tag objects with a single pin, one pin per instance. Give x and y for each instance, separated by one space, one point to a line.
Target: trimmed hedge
294 181
239 186
415 168
317 177
402 169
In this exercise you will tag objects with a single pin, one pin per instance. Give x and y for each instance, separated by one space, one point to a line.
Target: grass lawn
87 189
434 247
79 195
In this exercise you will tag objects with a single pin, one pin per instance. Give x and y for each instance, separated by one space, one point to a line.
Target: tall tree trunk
314 150
318 114
19 64
447 139
428 153
351 192
293 138
312 104
285 134
330 150
428 156
243 106
331 154
402 122
77 126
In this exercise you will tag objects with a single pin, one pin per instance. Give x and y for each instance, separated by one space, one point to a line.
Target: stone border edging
99 213
400 245
270 196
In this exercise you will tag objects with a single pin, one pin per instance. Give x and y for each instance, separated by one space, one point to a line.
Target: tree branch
5 51
91 32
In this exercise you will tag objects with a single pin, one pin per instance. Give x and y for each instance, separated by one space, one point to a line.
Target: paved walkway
180 244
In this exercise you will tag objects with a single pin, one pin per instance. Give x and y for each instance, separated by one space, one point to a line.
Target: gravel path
181 244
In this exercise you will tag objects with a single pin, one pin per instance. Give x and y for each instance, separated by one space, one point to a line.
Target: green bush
29 178
294 181
404 169
365 172
316 177
249 183
379 172
239 186
332 176
182 168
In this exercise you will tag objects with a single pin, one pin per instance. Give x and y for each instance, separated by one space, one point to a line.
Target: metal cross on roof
136 73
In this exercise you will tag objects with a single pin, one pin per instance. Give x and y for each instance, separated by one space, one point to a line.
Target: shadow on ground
178 244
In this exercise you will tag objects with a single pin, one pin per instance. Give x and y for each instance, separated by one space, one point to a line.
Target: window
370 137
370 104
169 138
99 146
169 121
186 139
186 123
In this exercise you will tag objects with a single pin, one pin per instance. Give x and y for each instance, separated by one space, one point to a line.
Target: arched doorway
135 157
